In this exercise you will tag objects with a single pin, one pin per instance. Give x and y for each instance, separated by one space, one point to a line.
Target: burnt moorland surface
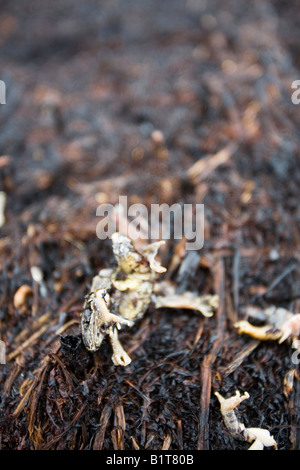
164 102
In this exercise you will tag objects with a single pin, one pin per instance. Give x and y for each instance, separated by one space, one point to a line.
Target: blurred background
89 83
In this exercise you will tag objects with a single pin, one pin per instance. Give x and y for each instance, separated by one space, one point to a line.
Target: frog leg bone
119 357
106 316
204 304
165 296
264 333
290 328
149 252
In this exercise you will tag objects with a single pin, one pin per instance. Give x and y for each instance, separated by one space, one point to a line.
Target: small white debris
37 274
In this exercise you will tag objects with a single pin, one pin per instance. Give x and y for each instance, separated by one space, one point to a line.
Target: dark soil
87 84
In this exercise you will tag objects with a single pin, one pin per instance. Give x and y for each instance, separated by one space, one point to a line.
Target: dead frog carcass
121 295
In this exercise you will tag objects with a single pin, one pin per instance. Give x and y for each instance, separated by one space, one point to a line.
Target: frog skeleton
121 295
